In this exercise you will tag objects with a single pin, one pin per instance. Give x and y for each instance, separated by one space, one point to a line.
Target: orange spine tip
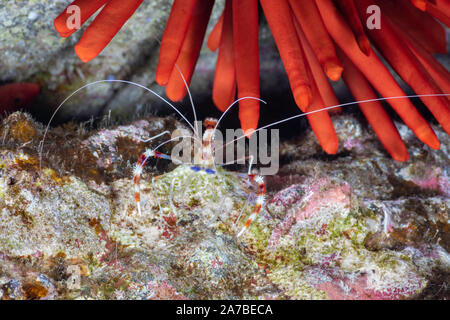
190 50
105 26
333 70
308 16
172 39
303 96
224 88
373 111
320 122
425 134
408 67
249 132
421 26
349 10
246 52
439 74
249 115
64 24
375 71
420 4
322 126
325 89
278 15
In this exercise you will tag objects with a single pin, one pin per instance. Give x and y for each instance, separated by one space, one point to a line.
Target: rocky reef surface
357 225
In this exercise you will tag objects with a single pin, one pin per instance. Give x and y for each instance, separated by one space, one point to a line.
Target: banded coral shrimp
206 174
206 166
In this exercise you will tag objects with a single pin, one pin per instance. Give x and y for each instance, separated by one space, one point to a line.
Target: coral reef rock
355 226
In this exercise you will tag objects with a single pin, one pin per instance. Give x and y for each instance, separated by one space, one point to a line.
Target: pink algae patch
351 287
317 194
322 193
434 179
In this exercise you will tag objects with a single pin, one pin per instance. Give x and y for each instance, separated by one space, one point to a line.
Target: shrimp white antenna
250 165
231 105
105 81
157 197
218 213
154 137
223 115
190 97
171 197
243 208
173 139
333 107
187 88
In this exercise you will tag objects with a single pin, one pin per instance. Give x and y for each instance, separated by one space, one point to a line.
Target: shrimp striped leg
138 171
261 195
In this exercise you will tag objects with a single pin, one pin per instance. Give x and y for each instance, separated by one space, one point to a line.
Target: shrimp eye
16 101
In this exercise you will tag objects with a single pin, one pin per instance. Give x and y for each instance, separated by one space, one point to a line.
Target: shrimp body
205 160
